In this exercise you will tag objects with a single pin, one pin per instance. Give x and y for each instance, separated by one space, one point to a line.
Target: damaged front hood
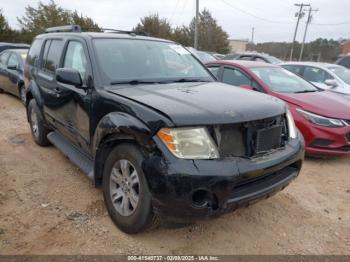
203 103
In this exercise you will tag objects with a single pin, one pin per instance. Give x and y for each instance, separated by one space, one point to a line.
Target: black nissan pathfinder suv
146 121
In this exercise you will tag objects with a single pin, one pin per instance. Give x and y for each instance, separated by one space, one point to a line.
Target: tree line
211 36
36 19
321 49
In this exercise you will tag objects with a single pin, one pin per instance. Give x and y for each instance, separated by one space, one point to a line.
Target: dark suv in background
253 56
145 120
344 60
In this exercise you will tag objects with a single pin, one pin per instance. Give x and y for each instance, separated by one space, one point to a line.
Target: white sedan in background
331 77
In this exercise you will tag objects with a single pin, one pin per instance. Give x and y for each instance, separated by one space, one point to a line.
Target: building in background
345 47
238 45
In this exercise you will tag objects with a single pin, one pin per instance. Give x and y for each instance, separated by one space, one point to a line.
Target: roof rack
77 29
66 28
118 31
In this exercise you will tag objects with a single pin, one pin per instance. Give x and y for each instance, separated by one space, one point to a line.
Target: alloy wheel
124 187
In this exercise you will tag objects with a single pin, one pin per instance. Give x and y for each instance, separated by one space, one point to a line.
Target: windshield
23 56
342 72
283 81
123 60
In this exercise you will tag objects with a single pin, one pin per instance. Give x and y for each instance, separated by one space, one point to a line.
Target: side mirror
331 82
12 67
248 87
69 76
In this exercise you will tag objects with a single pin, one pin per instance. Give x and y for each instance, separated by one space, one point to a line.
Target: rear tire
125 190
37 127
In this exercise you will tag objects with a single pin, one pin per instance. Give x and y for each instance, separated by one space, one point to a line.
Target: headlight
189 143
320 120
293 133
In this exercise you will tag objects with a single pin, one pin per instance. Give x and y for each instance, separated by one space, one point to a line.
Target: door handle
57 92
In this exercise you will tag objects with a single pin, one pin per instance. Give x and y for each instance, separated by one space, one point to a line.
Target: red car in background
322 117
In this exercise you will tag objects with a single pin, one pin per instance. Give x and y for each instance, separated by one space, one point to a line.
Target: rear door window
34 52
317 75
247 58
3 58
260 59
13 61
52 55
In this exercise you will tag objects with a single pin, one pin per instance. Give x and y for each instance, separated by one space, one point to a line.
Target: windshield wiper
184 80
305 91
133 82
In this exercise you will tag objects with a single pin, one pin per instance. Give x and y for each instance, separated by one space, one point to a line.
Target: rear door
3 66
14 71
51 57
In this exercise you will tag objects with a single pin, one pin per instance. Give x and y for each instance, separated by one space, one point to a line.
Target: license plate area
268 138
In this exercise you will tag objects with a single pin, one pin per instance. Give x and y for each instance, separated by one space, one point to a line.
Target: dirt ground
47 206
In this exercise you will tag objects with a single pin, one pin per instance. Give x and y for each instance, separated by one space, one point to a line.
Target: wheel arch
114 129
33 93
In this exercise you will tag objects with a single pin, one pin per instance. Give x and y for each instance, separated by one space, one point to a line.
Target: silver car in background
331 77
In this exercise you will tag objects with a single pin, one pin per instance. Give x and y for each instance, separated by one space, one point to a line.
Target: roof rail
65 28
118 31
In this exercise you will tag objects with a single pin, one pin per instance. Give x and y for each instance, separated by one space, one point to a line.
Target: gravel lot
47 206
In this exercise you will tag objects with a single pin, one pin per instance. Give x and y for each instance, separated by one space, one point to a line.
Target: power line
253 15
279 22
332 24
172 15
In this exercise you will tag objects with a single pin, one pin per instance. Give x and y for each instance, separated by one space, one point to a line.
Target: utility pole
309 18
253 29
196 26
300 14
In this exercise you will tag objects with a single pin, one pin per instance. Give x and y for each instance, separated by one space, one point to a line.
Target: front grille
252 138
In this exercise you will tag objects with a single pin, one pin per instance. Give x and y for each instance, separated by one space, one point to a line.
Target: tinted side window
235 77
52 59
294 69
13 61
260 59
345 62
317 75
75 58
214 70
3 58
34 52
248 58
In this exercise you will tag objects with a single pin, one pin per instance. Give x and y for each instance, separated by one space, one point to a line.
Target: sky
273 20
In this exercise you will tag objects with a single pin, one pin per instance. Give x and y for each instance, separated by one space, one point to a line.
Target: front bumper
201 188
325 140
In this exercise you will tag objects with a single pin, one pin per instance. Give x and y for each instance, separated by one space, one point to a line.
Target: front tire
125 190
37 127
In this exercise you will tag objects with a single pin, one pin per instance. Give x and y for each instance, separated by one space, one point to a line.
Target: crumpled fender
117 126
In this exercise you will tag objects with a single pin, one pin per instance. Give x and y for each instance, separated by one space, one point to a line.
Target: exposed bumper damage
201 188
